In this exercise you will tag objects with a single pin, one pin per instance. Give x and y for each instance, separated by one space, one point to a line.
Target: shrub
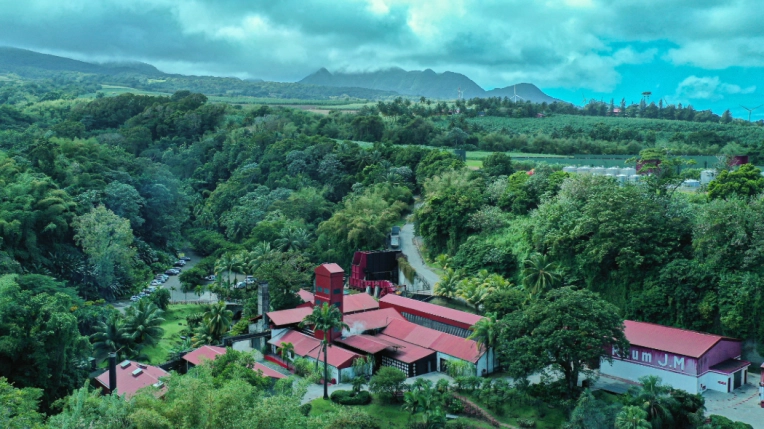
305 409
348 397
526 423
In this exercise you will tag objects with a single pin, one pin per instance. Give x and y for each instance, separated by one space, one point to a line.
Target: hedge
348 397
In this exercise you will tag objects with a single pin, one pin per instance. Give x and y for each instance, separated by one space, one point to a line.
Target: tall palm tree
203 335
286 351
218 319
144 323
255 257
226 264
325 318
631 417
539 274
110 336
485 333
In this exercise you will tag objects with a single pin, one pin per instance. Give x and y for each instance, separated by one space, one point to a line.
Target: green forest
98 195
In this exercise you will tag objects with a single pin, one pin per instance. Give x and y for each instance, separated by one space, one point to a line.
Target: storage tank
622 178
613 171
628 171
691 183
635 178
570 169
706 176
598 171
584 170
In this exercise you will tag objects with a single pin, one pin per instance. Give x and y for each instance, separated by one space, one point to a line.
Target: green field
174 323
389 416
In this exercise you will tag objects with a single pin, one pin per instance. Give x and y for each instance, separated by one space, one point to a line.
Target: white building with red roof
688 360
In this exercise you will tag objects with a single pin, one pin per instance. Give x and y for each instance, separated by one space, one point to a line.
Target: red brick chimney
329 289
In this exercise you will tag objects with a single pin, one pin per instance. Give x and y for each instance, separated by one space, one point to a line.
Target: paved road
174 282
414 257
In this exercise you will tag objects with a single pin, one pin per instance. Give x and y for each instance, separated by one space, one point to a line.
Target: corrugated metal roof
439 341
368 320
203 353
128 384
405 352
289 317
402 303
267 371
337 356
306 296
331 268
668 339
358 302
366 343
302 343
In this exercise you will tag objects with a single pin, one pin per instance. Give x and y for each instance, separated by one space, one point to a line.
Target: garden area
174 323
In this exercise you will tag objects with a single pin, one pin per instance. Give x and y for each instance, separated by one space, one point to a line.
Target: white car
240 285
156 283
135 298
211 277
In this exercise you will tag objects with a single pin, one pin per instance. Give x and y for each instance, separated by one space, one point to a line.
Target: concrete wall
715 381
632 371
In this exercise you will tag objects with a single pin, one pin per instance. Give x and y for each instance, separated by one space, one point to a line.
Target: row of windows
387 361
326 290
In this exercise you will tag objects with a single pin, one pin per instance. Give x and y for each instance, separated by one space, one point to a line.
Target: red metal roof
436 312
289 317
267 372
672 340
405 352
338 357
368 320
302 343
128 384
366 343
452 345
358 302
203 353
330 268
305 295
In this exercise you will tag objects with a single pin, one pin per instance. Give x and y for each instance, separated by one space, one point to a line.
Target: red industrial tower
329 289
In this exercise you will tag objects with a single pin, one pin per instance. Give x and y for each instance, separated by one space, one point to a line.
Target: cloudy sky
709 53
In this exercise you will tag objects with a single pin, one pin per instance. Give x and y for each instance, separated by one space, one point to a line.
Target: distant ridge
15 60
424 83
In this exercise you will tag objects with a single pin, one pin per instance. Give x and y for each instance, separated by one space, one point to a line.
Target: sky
708 53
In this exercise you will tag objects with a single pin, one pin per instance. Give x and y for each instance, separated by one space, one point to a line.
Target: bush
526 423
348 397
305 409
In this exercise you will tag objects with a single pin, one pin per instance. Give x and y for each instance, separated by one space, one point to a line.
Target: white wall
711 381
243 345
333 371
632 371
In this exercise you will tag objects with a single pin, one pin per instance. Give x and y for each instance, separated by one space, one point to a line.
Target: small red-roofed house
688 360
132 377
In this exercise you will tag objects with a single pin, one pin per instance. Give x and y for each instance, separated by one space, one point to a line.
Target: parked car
211 278
250 280
156 283
135 298
180 263
172 272
152 289
240 285
186 258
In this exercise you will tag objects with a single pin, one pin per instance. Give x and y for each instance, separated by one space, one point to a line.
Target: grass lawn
553 418
389 416
456 305
174 322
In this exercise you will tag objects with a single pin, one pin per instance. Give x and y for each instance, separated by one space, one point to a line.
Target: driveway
409 248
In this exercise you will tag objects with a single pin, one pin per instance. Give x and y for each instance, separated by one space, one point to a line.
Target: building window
337 291
387 361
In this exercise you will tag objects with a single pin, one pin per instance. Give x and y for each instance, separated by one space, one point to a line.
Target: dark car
171 272
185 258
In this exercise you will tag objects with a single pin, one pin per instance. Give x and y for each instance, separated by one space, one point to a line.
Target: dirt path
485 414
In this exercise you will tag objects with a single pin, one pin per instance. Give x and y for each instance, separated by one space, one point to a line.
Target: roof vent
137 372
158 384
142 365
124 364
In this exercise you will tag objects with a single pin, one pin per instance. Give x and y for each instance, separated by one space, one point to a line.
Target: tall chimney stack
112 372
330 290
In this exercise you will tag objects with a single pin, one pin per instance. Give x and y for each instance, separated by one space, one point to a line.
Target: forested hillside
99 195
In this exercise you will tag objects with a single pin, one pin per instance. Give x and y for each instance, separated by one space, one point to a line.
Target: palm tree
254 258
631 417
656 400
291 238
218 319
203 335
110 336
485 333
226 264
447 287
286 351
539 274
144 323
325 318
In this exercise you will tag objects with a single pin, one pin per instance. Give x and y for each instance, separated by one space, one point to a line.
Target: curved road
415 258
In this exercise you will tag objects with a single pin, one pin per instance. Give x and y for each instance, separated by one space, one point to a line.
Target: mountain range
425 83
16 60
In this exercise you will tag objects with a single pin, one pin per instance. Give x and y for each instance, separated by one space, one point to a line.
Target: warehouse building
687 360
432 316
